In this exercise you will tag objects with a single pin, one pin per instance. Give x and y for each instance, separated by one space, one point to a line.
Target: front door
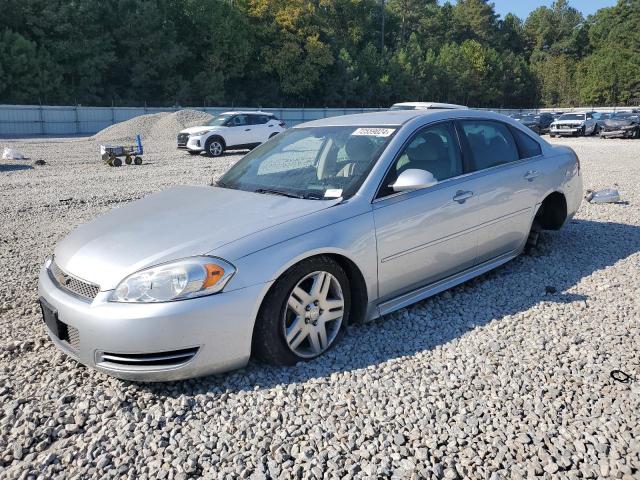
239 131
425 235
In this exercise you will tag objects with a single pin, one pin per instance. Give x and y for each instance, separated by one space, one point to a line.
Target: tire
191 152
596 130
117 162
214 147
283 310
582 132
128 160
534 235
137 160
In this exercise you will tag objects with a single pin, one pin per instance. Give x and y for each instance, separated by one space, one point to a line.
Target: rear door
503 185
262 127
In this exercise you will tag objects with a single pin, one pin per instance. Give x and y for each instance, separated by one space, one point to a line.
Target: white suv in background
230 131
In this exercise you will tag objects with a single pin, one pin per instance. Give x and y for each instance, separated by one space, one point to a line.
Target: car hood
177 223
208 128
620 122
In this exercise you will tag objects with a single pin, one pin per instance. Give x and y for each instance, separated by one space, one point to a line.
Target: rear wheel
137 160
117 162
534 235
304 314
128 160
214 147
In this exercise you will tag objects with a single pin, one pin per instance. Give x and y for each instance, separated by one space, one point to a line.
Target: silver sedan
330 223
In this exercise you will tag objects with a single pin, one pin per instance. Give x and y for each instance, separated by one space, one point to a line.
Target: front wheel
304 314
214 147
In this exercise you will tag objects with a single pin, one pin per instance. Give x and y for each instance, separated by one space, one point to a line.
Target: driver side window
434 149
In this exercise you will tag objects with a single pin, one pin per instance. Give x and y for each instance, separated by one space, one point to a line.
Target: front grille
160 359
183 138
72 284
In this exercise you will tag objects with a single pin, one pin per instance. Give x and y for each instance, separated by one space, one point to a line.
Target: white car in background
230 131
574 124
427 106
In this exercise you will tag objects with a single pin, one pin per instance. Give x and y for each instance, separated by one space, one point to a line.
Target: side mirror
414 179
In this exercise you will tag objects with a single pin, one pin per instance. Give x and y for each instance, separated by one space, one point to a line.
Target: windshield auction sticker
333 193
374 132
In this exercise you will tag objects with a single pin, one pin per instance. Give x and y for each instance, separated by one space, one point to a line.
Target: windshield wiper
278 192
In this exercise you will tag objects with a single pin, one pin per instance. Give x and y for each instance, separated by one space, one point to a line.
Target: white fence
28 120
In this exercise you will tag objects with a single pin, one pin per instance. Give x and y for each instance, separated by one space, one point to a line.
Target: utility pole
382 29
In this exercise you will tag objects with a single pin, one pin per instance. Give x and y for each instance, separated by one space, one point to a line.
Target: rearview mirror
413 179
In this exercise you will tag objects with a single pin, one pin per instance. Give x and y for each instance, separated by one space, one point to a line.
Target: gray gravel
506 376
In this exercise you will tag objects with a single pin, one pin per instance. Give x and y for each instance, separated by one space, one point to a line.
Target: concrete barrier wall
33 120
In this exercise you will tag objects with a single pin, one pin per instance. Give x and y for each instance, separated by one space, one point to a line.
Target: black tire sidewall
269 344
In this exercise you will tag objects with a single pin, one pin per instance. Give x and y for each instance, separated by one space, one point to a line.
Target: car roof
429 105
245 112
397 118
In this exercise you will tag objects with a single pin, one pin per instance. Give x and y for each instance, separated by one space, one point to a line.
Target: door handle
461 196
531 174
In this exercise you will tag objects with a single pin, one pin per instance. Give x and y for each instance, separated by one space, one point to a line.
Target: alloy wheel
313 315
215 148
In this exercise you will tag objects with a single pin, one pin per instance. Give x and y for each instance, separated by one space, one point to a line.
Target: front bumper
147 342
195 144
566 131
621 133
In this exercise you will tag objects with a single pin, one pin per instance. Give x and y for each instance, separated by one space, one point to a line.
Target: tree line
333 53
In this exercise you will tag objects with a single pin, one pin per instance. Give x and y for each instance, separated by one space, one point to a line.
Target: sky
522 8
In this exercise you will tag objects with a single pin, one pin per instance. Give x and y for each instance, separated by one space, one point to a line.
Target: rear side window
260 119
527 146
491 143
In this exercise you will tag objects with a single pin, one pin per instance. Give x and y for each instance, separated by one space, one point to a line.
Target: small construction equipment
112 154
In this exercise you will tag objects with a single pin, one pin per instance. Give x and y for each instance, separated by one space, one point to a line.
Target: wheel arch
552 212
218 136
357 283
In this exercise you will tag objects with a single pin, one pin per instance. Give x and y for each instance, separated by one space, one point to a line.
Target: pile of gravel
504 377
153 128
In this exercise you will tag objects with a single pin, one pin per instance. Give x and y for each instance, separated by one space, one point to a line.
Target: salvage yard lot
506 374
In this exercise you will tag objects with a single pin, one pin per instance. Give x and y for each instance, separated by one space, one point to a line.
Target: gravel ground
506 376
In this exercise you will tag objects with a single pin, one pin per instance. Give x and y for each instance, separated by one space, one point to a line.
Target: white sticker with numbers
374 132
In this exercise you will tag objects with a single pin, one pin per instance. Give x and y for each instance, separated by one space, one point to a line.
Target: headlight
187 278
197 134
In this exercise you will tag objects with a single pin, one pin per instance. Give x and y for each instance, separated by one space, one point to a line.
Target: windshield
620 115
219 120
312 162
572 116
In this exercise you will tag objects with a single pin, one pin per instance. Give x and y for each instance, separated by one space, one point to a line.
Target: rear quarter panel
561 174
